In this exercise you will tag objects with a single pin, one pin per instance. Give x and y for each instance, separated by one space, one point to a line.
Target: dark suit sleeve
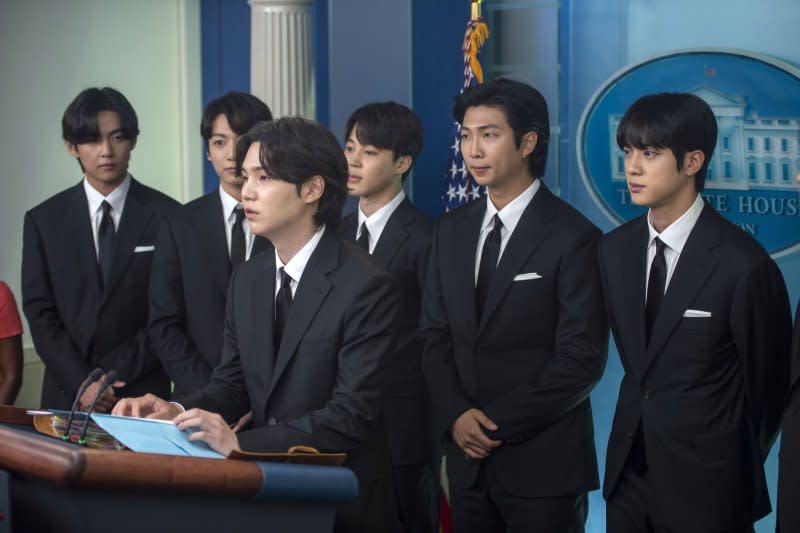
438 360
761 322
579 358
350 415
184 364
226 392
53 343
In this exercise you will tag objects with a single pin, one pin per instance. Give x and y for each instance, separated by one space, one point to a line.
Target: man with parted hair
198 248
308 325
86 261
701 318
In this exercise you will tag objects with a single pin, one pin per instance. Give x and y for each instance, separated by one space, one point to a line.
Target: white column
281 70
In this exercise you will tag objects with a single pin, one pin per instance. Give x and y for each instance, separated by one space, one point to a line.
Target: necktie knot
286 279
659 246
363 239
106 208
238 212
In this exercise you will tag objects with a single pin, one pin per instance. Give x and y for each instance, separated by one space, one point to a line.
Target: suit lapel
628 268
394 234
694 267
311 292
463 253
348 227
259 245
532 229
79 230
135 218
261 311
212 227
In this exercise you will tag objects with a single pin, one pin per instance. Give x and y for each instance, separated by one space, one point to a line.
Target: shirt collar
116 198
511 213
229 203
377 220
297 264
677 233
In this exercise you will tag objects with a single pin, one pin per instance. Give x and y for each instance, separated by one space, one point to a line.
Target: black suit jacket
530 361
709 392
323 388
188 287
403 250
75 326
789 459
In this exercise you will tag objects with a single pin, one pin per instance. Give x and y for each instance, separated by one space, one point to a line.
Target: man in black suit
382 143
701 318
198 248
86 261
514 328
789 460
308 326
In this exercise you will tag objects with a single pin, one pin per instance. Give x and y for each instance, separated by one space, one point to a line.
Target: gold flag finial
476 9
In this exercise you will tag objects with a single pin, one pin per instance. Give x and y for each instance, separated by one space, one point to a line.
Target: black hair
79 124
681 122
524 108
242 110
387 126
294 150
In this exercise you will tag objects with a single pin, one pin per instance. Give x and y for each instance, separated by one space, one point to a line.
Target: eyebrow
219 135
481 127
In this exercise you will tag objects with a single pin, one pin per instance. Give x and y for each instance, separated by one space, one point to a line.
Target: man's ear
133 143
528 143
693 162
402 164
313 189
72 149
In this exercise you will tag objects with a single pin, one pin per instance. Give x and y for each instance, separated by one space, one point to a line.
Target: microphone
93 376
109 380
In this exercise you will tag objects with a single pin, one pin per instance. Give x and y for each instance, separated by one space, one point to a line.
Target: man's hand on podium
105 402
147 406
210 428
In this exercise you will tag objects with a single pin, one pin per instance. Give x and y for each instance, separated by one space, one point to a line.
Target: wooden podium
50 485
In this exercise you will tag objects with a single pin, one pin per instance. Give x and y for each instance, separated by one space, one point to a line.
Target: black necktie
489 257
363 241
282 305
237 237
105 244
656 285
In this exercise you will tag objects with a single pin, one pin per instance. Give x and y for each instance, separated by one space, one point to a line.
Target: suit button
629 435
646 394
271 421
794 411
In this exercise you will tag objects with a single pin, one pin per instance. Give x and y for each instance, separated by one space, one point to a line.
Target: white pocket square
527 275
696 313
142 249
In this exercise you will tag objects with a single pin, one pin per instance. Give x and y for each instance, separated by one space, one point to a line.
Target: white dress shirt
296 264
674 237
509 216
377 220
95 201
229 204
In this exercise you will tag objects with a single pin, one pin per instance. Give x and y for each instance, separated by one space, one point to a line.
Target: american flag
459 185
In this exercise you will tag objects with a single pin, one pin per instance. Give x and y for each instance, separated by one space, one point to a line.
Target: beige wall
50 50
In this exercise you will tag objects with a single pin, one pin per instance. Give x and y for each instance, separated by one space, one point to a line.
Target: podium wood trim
69 465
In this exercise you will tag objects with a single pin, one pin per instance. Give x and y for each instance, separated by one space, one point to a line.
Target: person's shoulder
154 199
54 205
419 221
736 244
570 221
